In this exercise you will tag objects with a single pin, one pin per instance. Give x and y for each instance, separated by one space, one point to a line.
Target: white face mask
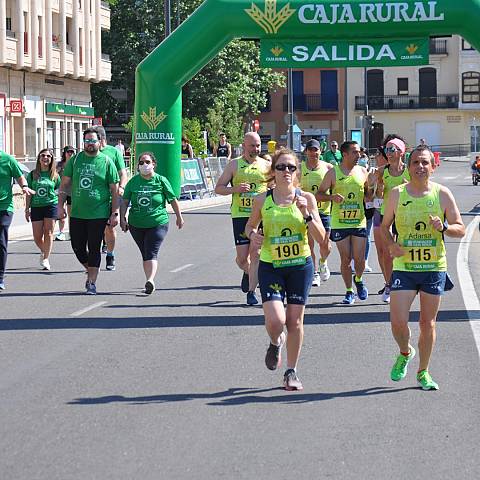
146 168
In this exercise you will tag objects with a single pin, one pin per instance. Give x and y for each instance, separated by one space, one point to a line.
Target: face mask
146 168
363 162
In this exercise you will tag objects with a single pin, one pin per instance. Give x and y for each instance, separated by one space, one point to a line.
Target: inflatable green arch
161 75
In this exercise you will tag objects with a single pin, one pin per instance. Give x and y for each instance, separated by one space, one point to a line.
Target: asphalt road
173 386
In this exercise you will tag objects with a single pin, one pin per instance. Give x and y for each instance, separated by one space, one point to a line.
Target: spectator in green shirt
333 156
9 170
93 179
41 208
146 193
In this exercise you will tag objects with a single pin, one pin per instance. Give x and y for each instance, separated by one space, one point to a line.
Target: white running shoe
45 264
40 260
324 272
316 280
386 294
368 268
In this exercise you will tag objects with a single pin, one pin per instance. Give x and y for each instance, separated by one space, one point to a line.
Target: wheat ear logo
412 48
277 51
152 119
270 20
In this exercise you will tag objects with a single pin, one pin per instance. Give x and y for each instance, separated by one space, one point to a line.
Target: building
439 102
50 53
318 104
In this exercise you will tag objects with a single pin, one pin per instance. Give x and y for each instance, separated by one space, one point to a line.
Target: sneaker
251 298
245 285
60 237
2 285
362 291
324 272
399 369
91 288
386 294
316 280
45 264
104 248
40 260
273 357
349 298
368 268
291 381
110 260
149 287
424 379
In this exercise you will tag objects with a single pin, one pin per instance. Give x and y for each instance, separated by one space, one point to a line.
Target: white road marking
179 269
87 309
467 287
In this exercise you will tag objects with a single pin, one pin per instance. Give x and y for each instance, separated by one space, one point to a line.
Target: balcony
312 103
438 46
408 102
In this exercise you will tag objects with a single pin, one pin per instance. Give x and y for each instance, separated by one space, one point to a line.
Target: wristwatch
308 219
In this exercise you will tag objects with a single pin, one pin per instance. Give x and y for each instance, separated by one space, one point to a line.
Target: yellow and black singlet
424 246
254 174
311 180
285 242
390 182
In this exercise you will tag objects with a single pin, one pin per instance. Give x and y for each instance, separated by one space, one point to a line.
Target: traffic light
369 122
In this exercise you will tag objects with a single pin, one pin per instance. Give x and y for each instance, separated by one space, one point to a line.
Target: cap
313 144
68 149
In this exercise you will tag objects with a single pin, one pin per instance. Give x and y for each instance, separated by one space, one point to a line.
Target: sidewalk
21 229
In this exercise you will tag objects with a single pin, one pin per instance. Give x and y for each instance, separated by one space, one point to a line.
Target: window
30 137
402 86
8 23
466 45
471 87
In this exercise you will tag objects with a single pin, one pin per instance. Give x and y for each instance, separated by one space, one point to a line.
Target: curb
24 230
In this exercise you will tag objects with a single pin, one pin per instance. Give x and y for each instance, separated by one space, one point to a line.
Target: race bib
246 202
349 213
421 255
287 251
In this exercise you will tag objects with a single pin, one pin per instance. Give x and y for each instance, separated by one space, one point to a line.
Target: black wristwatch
308 219
445 226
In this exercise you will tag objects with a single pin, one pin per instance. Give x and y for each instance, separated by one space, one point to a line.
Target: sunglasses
391 149
91 141
334 145
45 155
70 151
147 162
282 167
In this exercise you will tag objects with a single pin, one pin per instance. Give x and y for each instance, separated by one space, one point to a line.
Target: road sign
16 106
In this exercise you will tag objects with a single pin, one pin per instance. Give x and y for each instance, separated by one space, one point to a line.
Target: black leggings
149 240
5 221
87 233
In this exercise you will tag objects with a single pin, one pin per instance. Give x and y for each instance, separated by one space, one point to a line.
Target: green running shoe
425 381
399 369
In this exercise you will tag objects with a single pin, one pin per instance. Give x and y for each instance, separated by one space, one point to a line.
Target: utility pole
290 108
166 12
366 123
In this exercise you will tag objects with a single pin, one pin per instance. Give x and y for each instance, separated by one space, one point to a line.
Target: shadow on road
239 396
108 323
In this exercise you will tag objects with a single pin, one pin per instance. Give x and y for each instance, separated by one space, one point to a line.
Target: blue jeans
5 222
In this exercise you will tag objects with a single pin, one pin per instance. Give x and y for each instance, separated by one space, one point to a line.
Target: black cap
313 144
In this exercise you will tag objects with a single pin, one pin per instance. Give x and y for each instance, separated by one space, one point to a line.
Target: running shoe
362 291
349 298
425 380
110 260
91 288
45 264
149 287
316 280
291 381
399 369
60 237
251 298
386 294
245 285
368 268
324 272
2 285
273 357
104 248
40 260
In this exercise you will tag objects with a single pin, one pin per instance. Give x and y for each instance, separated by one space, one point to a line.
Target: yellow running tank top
390 182
311 180
254 174
424 246
351 212
285 242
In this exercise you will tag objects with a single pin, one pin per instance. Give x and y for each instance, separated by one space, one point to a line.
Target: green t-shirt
44 187
332 158
91 180
115 156
147 200
9 169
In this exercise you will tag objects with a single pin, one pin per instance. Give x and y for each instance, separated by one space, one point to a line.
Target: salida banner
365 53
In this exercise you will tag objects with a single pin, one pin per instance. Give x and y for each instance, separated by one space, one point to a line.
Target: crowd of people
283 210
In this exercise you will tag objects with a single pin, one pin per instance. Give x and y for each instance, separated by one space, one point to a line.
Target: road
173 386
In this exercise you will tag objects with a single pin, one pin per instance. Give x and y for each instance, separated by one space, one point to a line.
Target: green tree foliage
230 90
192 129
